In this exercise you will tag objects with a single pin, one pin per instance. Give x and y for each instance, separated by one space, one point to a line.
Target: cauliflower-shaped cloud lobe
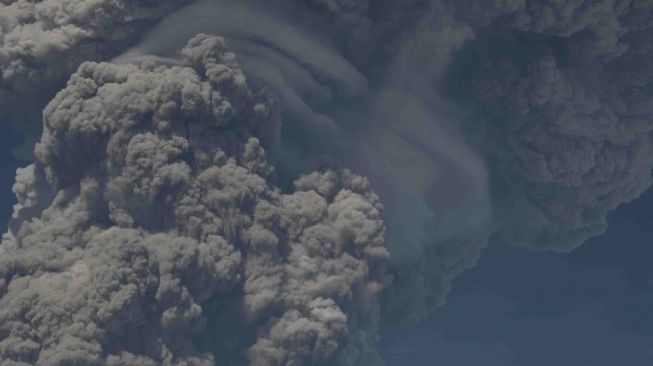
43 41
150 230
149 227
567 90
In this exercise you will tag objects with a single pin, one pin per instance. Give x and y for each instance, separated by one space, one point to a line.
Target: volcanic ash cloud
565 89
149 231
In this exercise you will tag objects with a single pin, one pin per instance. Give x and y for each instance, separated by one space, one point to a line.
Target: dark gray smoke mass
432 183
193 204
42 42
567 91
150 197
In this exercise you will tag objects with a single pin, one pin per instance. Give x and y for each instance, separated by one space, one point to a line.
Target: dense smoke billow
42 42
171 206
566 89
272 193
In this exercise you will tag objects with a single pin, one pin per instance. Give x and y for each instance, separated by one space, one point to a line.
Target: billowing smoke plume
432 183
567 91
151 210
42 42
530 119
